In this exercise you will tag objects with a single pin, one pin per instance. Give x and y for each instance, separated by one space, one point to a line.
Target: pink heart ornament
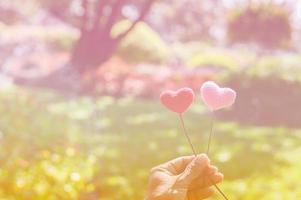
216 97
177 101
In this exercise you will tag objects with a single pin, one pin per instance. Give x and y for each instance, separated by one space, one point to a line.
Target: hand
184 178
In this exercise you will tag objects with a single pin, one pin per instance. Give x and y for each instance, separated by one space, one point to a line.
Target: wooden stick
208 148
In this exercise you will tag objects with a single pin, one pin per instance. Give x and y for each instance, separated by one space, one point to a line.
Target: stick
220 191
210 134
186 134
208 148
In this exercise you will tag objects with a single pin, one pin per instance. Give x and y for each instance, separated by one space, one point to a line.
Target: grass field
54 147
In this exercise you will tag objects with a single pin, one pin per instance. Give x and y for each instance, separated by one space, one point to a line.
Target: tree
97 18
254 23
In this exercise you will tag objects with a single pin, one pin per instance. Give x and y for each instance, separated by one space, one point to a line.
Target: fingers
213 179
192 171
211 170
178 165
205 193
209 178
200 193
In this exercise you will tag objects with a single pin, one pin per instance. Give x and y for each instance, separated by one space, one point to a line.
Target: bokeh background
79 85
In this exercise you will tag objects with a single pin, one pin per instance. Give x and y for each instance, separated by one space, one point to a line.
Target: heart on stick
177 101
216 97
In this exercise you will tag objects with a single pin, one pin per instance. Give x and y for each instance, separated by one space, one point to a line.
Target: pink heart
177 101
216 97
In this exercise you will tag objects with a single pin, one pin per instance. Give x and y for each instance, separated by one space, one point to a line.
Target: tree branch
85 17
147 6
99 12
116 12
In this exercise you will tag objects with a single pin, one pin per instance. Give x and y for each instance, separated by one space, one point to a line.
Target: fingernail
202 159
218 177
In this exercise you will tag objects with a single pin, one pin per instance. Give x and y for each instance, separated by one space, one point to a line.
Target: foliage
117 78
255 23
9 15
61 38
268 101
53 147
269 91
283 66
220 61
224 63
62 41
143 44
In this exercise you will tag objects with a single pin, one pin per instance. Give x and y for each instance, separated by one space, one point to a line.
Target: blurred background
79 86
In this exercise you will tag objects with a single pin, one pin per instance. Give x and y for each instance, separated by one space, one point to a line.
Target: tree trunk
92 49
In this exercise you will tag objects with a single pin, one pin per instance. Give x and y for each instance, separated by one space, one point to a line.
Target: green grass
52 147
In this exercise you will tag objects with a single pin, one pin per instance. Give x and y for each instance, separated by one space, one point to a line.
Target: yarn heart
177 101
216 97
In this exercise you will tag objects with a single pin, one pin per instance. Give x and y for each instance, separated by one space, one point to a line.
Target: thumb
192 171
